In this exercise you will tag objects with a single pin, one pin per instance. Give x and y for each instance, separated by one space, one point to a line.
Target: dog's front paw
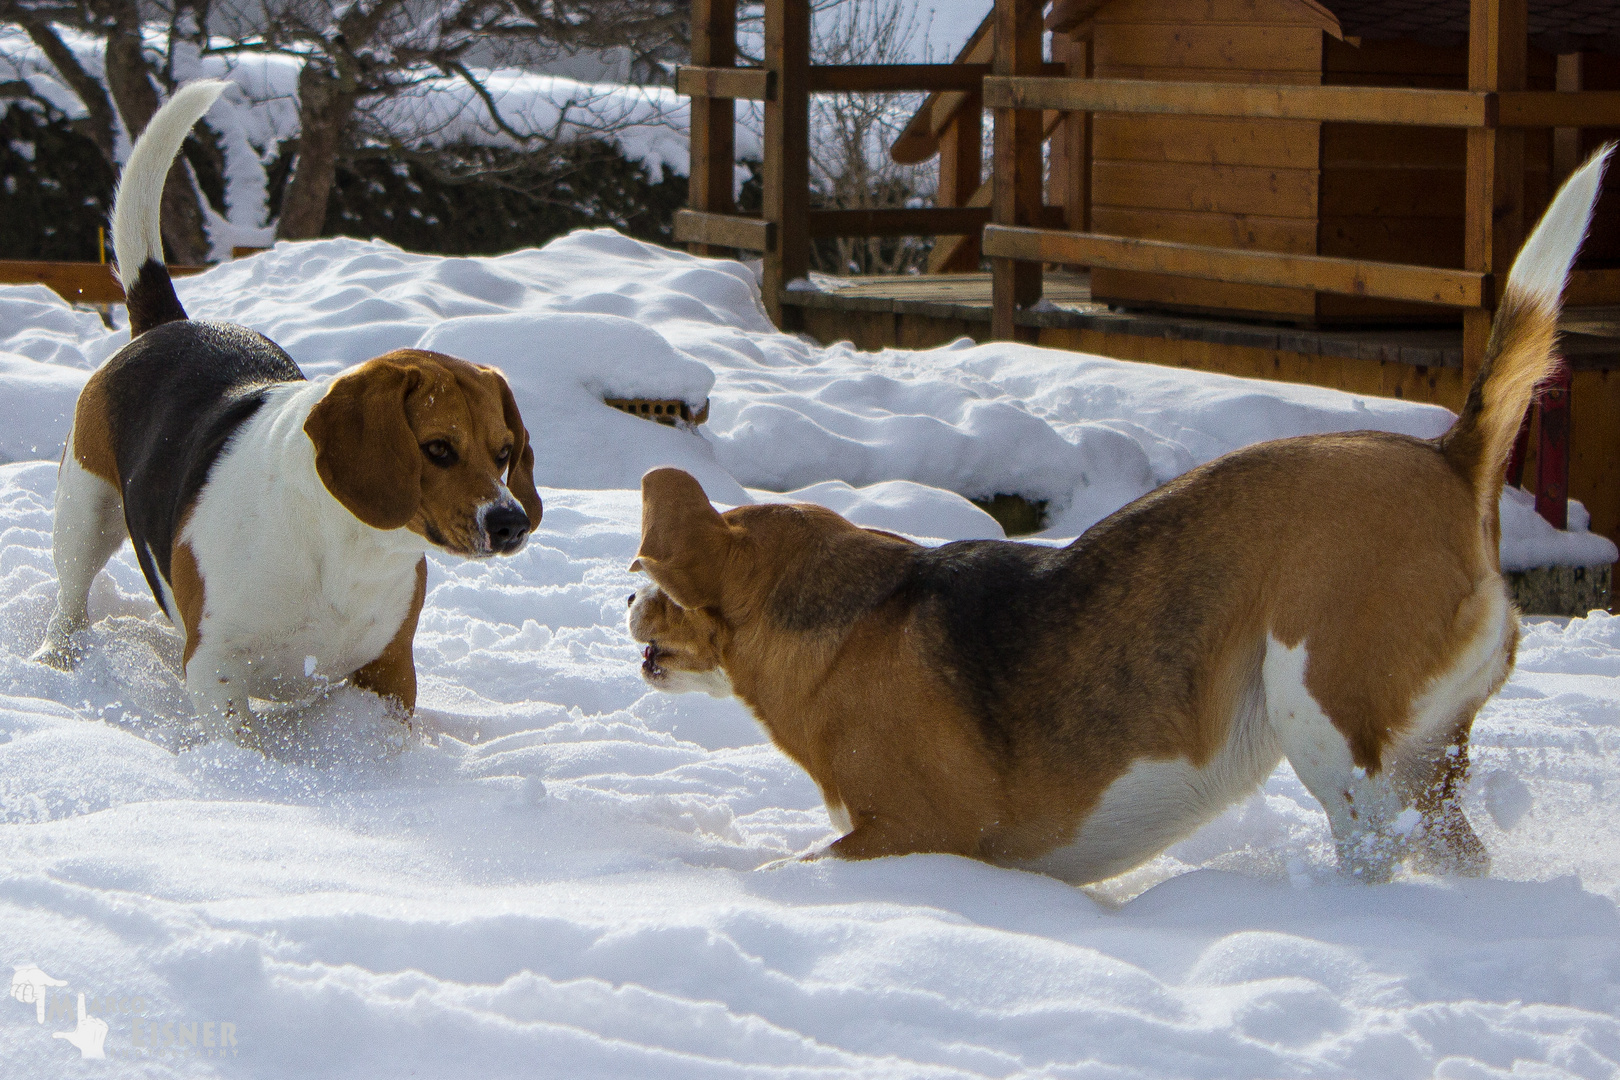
61 654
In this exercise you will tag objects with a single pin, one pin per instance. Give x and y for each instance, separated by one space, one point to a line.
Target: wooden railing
784 83
81 283
1493 112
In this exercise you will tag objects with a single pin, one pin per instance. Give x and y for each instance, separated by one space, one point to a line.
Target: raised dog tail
138 207
1520 352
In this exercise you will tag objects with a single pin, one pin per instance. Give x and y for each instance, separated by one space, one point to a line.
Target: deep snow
553 873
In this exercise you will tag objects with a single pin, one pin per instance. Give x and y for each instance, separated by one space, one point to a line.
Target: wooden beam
1350 277
1592 288
724 230
959 253
787 152
1493 204
896 78
711 174
1343 104
1552 457
1556 109
1567 140
732 83
75 282
910 221
920 139
1016 195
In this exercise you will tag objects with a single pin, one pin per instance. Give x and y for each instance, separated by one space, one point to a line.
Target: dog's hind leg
88 528
1448 844
1365 808
1430 761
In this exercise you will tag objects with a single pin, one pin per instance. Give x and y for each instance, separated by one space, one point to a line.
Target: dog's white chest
306 624
296 591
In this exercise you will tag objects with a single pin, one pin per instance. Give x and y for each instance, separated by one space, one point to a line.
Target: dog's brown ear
684 541
365 450
520 466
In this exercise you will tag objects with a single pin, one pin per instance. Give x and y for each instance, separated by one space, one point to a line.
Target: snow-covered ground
553 874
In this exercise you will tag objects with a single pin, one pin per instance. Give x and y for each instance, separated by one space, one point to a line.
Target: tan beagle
282 523
1333 599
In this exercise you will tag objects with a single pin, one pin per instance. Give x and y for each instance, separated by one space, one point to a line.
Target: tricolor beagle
281 523
1333 599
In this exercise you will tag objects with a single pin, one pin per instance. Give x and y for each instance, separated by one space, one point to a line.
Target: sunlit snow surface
553 874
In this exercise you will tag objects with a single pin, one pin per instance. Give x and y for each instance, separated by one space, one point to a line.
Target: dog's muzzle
506 528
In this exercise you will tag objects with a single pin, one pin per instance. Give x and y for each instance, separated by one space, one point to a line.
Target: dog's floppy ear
520 466
684 541
365 450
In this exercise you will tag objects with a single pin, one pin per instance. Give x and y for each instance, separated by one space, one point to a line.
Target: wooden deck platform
1591 338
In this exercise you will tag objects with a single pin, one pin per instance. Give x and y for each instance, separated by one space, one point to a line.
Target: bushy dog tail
1520 352
138 207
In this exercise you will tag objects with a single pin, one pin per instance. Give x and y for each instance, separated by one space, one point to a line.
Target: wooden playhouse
1320 191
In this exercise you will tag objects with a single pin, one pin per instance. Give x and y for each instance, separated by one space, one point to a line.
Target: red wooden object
1552 466
1521 450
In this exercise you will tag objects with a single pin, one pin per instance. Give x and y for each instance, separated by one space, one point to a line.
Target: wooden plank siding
1363 191
1252 184
1397 194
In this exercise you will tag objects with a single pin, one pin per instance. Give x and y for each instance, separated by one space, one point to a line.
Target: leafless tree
129 88
357 56
360 55
850 168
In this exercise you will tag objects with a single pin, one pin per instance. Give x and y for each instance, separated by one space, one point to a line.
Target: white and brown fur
281 523
1334 599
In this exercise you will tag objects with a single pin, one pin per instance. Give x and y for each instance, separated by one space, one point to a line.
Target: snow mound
595 314
554 869
557 867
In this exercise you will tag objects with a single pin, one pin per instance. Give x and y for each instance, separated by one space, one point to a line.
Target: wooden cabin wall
1390 193
1395 194
1232 183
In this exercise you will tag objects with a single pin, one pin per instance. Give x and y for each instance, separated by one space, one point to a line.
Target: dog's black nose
508 527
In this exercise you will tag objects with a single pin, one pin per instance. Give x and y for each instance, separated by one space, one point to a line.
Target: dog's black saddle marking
177 394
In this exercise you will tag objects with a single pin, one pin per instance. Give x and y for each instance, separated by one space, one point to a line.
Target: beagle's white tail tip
1542 267
137 207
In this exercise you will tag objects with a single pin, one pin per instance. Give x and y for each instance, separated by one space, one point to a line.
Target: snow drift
553 871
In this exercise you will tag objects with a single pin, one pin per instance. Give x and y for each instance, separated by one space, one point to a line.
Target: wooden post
1493 214
1017 163
961 171
1072 148
1567 141
787 151
714 127
961 154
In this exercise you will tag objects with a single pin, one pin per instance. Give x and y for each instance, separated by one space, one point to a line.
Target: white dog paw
61 655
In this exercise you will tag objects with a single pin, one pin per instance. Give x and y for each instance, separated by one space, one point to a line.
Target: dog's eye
440 453
632 600
502 457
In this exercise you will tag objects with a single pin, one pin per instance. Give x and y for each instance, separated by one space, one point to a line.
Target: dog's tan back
1334 599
